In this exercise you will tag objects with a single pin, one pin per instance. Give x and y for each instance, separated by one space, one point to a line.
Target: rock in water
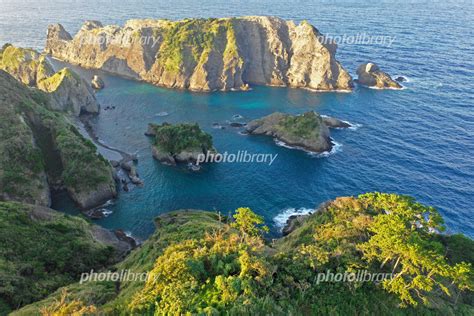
306 131
97 83
332 122
68 91
370 75
241 52
180 143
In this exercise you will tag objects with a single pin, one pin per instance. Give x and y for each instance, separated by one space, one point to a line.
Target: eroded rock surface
370 75
206 54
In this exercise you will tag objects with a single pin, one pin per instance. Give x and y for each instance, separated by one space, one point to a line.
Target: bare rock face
332 122
206 54
68 91
370 75
97 83
306 131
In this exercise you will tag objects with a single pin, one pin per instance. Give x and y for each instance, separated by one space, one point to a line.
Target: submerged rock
370 75
401 79
307 131
241 52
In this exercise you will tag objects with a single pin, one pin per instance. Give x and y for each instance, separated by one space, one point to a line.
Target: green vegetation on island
179 143
203 263
307 131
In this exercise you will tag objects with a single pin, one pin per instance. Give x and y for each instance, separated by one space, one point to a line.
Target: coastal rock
180 143
40 136
67 90
293 222
91 197
306 131
233 54
97 83
370 75
332 122
237 124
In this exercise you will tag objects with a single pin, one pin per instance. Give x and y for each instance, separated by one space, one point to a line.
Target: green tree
403 235
249 223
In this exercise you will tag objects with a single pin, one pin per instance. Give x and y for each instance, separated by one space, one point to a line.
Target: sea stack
370 75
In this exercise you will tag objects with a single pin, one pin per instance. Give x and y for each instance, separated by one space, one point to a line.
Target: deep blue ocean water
418 141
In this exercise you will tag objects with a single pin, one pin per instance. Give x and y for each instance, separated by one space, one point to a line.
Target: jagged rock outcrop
37 143
67 90
180 143
306 131
206 54
97 83
370 75
332 122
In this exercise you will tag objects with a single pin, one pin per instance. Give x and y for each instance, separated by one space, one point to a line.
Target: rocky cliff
206 54
40 149
68 92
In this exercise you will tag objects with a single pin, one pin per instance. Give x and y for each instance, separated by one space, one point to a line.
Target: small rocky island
180 143
370 75
308 131
206 54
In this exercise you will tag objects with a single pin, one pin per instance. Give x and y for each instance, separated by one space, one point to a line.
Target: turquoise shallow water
419 141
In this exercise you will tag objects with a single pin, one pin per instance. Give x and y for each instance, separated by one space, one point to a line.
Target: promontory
206 54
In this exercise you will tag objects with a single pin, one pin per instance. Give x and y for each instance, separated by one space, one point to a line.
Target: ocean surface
418 141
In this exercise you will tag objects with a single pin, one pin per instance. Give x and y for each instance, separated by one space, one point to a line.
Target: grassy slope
290 275
172 227
25 112
41 251
21 162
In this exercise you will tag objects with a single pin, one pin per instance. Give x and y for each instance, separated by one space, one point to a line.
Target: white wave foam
353 126
106 212
336 147
281 219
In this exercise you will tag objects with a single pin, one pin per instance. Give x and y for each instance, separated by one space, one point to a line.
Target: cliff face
40 148
67 90
206 54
